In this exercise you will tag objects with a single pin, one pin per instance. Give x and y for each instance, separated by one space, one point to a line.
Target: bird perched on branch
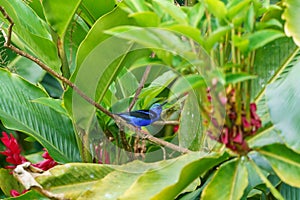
141 118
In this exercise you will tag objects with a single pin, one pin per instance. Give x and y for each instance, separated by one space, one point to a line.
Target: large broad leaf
190 131
291 14
284 161
272 62
60 13
50 128
79 176
284 108
289 192
231 179
32 32
136 180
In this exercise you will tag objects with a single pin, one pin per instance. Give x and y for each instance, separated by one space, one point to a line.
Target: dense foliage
226 71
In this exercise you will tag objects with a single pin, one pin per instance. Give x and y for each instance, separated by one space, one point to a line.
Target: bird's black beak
163 103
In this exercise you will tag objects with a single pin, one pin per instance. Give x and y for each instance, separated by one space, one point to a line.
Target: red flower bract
13 150
13 153
47 163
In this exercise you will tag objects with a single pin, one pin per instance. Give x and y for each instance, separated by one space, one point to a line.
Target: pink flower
245 122
15 193
238 138
47 163
13 151
225 136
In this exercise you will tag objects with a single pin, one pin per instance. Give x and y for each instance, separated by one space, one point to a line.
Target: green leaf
60 13
158 39
289 192
55 104
186 84
96 35
284 161
216 7
157 86
265 180
240 7
174 11
195 14
91 11
146 18
80 177
188 31
126 84
32 194
27 69
232 78
97 49
47 126
190 133
271 62
266 136
291 14
136 6
8 182
284 108
259 39
135 180
229 182
216 36
32 33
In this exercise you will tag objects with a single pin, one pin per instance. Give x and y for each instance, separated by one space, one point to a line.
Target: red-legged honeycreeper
140 118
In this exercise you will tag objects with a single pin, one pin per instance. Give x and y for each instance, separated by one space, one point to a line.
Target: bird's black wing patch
144 114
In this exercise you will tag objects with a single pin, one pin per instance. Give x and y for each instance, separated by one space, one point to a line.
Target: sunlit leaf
291 14
174 11
217 8
32 32
79 176
170 177
146 19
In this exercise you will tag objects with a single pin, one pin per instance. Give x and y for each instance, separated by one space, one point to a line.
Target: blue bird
140 118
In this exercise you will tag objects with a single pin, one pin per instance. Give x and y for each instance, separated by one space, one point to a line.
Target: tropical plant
227 71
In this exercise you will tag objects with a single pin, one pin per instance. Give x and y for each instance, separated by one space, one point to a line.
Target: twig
166 123
141 85
144 134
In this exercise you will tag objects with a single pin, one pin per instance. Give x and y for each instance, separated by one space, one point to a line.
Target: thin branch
143 134
141 85
166 123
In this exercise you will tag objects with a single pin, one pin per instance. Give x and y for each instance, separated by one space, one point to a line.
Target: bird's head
157 108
